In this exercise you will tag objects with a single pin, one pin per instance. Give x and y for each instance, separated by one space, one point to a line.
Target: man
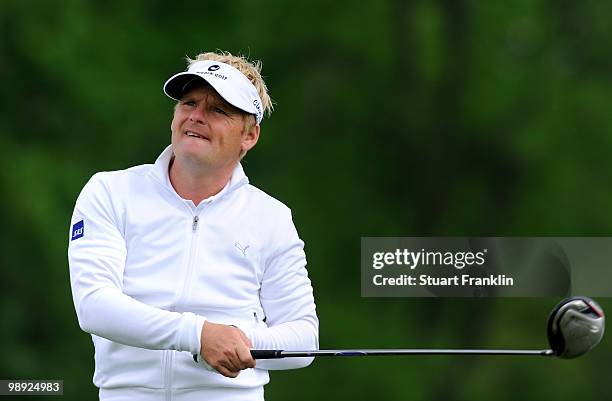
184 257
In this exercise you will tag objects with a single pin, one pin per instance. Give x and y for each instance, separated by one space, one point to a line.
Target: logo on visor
214 67
258 107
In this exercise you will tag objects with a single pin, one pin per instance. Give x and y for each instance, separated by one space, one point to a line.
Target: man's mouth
195 135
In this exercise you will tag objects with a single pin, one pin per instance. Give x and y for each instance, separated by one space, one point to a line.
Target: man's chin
192 155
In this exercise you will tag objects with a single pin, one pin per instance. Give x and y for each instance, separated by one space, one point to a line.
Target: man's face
209 132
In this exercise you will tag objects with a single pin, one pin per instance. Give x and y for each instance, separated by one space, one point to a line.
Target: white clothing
147 268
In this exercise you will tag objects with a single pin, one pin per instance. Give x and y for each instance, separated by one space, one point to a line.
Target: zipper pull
195 223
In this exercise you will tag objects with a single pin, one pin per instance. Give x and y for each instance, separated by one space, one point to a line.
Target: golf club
575 326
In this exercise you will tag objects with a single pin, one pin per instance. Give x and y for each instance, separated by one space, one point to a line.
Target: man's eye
190 103
220 111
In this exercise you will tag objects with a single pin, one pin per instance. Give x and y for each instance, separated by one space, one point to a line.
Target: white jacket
147 268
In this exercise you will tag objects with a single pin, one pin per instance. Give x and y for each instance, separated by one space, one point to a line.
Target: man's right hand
226 349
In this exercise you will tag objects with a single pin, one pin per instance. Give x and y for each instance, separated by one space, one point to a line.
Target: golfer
180 267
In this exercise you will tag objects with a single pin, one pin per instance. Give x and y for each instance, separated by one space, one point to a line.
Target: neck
197 185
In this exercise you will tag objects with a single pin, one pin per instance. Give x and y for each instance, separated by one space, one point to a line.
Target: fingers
227 371
241 357
244 356
226 349
238 359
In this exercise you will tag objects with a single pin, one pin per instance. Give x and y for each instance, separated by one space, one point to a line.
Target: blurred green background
392 118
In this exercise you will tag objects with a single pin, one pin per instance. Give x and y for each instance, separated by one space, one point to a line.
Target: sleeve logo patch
78 230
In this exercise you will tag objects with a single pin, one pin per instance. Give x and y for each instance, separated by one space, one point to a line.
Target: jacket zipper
169 356
192 256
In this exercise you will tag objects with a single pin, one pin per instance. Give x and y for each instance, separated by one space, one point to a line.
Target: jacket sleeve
96 255
287 300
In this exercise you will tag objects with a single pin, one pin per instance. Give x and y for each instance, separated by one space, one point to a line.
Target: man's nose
198 115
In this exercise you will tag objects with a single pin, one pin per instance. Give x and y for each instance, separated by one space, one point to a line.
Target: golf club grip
266 353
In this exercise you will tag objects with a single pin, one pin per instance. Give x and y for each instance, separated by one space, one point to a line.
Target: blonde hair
251 69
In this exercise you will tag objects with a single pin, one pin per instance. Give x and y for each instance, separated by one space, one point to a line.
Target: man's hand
226 349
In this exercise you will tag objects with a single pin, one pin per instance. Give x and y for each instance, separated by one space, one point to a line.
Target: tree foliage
392 118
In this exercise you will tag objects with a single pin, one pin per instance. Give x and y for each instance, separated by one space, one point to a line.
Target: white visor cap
230 84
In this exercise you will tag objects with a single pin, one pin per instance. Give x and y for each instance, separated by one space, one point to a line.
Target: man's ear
250 138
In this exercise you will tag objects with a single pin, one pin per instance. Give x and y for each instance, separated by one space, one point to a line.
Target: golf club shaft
276 354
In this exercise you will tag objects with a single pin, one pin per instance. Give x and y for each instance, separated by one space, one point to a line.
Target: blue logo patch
78 230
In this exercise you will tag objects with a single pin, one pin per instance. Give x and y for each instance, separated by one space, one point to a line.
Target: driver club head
575 326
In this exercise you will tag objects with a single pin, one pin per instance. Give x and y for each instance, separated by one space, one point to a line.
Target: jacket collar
161 173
